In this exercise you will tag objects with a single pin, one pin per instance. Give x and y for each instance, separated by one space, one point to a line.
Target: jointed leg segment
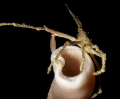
52 43
103 57
83 59
98 67
55 59
56 33
22 26
64 46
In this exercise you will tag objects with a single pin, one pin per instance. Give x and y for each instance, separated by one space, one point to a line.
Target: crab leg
52 43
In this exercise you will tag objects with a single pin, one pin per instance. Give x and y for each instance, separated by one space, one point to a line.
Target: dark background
25 53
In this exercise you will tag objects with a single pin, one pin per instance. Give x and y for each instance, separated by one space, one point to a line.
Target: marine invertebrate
82 41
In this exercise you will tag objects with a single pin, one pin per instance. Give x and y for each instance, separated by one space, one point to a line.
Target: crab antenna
79 24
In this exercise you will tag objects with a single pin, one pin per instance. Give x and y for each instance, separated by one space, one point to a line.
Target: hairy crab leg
64 46
83 59
98 66
59 34
52 43
55 59
22 26
56 33
103 57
